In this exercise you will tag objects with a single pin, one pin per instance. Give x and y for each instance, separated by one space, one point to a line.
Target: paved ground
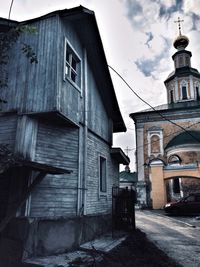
178 237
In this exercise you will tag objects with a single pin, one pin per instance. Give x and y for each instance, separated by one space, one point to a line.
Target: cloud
167 11
150 38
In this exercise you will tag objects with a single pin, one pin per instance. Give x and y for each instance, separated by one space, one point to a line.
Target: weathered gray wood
56 145
26 137
8 124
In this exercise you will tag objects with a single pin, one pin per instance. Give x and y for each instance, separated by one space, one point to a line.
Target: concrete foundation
43 237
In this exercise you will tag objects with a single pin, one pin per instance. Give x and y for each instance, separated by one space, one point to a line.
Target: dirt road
176 237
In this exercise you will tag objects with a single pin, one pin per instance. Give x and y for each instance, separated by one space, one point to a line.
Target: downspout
84 195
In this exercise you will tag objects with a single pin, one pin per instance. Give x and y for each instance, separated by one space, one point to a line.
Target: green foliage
7 40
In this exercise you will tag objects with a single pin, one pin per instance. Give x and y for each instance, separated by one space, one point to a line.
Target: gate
123 208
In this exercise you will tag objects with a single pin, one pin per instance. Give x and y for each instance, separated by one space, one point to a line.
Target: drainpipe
85 94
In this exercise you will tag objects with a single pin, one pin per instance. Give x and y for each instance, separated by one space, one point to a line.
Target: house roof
85 24
128 177
185 138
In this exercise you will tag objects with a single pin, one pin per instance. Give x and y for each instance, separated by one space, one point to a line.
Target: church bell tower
183 84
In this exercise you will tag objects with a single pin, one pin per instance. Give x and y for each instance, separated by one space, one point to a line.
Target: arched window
171 96
155 144
184 90
174 159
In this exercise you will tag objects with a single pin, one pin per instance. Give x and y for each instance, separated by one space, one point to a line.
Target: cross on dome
179 24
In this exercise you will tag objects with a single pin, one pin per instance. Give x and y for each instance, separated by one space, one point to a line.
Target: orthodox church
168 136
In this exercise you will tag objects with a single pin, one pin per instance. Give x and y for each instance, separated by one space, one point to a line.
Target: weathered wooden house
60 116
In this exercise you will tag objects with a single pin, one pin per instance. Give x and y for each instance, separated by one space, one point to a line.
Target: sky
137 37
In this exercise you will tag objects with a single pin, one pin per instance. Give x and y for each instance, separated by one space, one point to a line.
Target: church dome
181 42
184 139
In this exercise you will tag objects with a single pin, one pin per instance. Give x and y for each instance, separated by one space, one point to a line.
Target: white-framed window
155 141
102 175
72 65
184 90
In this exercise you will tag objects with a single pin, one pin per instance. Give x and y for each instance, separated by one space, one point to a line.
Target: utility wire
10 9
161 115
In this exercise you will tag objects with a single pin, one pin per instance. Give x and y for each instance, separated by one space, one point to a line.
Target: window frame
73 55
184 84
101 192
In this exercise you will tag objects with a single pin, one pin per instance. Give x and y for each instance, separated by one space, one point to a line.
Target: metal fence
123 208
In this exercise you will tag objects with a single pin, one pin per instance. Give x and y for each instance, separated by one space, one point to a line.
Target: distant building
128 178
60 116
168 136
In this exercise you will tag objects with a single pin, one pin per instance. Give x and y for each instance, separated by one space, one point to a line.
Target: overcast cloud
138 40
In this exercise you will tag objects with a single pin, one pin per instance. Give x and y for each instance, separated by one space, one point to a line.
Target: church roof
179 72
185 138
171 106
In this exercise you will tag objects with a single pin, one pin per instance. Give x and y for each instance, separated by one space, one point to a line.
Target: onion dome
181 42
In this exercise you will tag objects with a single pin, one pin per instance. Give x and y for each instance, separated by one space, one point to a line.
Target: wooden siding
26 137
8 124
69 97
31 87
57 194
97 204
98 120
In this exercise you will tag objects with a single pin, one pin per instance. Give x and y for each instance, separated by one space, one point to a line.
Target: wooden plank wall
97 204
31 87
98 120
69 98
57 194
8 125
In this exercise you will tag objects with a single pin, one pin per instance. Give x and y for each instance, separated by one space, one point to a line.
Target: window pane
73 63
67 70
68 57
73 76
184 92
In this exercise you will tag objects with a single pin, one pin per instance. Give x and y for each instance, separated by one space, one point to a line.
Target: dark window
172 96
176 186
184 92
102 174
197 92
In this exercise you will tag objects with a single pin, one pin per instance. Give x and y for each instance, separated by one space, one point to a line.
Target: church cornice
171 112
184 71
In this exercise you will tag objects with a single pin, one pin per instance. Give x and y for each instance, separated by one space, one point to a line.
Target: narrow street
178 237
